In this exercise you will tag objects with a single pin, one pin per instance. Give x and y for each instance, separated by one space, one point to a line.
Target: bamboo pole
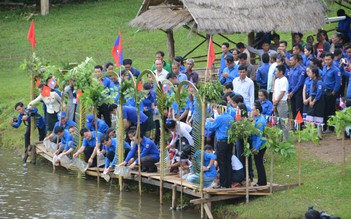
344 152
247 177
139 139
120 131
32 119
271 171
299 154
203 113
96 145
162 154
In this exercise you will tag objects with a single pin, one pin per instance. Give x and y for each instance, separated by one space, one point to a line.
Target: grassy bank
72 32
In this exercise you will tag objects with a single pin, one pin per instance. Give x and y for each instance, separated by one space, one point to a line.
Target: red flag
299 118
238 114
45 91
37 83
31 34
79 93
117 50
140 86
211 56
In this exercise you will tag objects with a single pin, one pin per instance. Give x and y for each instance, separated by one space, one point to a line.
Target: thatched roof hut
231 16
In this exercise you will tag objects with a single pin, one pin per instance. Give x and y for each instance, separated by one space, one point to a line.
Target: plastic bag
50 146
80 164
100 159
55 159
123 171
65 161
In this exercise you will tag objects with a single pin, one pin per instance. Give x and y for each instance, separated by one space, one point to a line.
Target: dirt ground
330 149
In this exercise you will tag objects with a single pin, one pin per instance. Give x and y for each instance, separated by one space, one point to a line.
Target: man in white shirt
244 86
271 76
160 72
280 97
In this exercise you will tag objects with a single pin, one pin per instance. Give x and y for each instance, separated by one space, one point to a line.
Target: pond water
36 191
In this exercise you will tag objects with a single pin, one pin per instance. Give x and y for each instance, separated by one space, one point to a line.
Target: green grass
72 32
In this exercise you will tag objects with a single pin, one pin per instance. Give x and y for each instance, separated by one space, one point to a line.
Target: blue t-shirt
92 141
260 123
39 120
66 126
67 141
212 172
147 148
101 126
130 114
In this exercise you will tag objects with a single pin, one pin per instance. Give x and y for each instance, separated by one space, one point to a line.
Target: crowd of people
310 80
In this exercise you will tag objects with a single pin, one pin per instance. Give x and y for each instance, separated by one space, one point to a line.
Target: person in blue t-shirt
148 105
149 153
89 146
63 122
130 119
66 145
209 167
230 72
101 124
127 63
24 115
257 143
226 53
306 92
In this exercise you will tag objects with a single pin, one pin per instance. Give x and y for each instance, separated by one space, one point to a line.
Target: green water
38 192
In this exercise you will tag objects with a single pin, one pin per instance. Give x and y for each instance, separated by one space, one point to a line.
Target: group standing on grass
311 80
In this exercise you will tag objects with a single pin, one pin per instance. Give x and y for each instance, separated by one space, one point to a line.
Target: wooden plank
213 199
174 197
44 6
208 211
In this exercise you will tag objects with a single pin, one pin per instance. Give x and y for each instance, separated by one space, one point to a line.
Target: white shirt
271 76
162 76
236 164
52 102
246 89
281 84
183 130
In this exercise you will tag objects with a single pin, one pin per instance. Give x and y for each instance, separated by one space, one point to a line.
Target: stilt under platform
175 184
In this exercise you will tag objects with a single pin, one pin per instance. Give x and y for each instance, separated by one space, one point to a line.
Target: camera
15 119
343 61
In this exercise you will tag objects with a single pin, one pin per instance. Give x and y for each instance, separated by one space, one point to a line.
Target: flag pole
208 58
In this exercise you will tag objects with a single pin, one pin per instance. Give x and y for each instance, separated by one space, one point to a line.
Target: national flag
45 92
299 118
166 88
117 50
52 83
37 83
211 56
342 104
79 93
238 114
31 34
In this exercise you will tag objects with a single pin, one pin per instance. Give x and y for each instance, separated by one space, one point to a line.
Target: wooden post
44 5
32 121
120 136
174 197
271 171
170 44
251 42
203 113
247 177
96 144
299 155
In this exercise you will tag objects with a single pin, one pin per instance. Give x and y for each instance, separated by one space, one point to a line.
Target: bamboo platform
175 183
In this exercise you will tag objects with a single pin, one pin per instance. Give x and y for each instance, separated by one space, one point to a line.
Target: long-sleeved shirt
316 89
112 148
233 73
296 78
260 52
182 77
101 126
348 91
220 125
267 107
39 120
246 89
271 75
262 74
223 64
147 148
130 114
183 130
260 123
331 77
308 82
51 102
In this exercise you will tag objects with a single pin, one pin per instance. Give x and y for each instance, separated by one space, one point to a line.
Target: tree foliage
341 120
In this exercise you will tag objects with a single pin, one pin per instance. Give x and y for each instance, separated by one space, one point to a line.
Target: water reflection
38 192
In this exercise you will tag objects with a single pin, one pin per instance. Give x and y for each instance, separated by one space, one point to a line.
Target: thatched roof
162 17
234 16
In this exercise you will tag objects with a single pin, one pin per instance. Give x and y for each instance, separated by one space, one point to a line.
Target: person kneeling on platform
238 172
66 145
209 169
89 146
149 154
110 146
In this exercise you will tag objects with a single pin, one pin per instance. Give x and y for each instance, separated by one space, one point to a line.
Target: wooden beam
44 6
188 53
212 199
200 35
226 38
174 197
208 211
170 44
251 41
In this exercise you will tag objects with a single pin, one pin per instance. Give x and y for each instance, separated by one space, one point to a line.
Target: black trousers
239 153
52 119
261 172
224 155
42 133
157 132
88 151
148 163
330 100
297 103
105 112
